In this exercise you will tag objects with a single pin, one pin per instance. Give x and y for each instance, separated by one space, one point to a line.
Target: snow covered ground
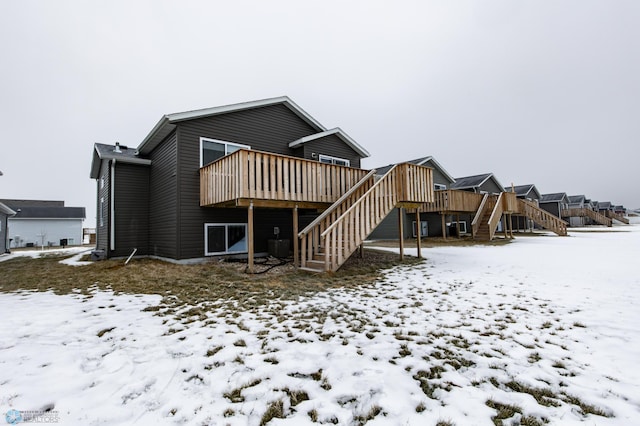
543 329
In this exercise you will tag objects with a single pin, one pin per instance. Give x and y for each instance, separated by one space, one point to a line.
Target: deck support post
361 249
444 229
250 236
418 234
458 225
506 226
296 240
400 233
511 225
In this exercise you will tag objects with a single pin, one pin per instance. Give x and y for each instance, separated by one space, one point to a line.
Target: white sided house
38 223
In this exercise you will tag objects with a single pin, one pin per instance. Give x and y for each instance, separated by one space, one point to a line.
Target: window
211 150
463 226
327 159
439 186
225 238
102 182
102 211
424 228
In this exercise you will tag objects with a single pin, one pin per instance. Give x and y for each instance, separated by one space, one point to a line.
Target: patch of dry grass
191 285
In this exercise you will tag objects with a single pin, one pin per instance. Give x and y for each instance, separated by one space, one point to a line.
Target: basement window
213 149
327 159
225 238
424 228
463 226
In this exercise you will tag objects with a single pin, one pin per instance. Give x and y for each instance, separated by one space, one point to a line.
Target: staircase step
314 270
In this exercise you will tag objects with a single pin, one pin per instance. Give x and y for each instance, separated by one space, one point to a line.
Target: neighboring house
578 202
554 203
44 223
480 184
528 193
5 213
604 206
430 223
182 193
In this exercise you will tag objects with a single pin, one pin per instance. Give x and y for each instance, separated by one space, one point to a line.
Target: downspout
112 209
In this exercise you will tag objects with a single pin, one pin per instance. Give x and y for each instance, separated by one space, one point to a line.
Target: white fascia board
336 131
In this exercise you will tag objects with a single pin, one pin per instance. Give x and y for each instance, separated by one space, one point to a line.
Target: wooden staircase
617 216
543 218
480 224
327 242
584 212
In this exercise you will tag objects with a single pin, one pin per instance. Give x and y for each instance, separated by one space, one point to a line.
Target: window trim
462 222
225 143
426 228
101 212
226 239
439 187
333 160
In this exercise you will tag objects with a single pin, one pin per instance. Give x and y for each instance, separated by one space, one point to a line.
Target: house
554 203
5 213
44 223
242 180
577 202
480 184
524 192
430 223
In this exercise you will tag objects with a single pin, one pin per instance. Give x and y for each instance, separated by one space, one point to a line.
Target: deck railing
542 217
617 216
453 200
496 214
310 236
403 183
585 212
510 202
250 174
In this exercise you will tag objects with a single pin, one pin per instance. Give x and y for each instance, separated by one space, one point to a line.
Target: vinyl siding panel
333 146
132 209
163 196
490 187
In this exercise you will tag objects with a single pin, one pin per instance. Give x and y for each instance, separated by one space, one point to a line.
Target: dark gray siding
438 177
333 146
131 209
490 187
553 208
163 198
388 228
3 233
103 192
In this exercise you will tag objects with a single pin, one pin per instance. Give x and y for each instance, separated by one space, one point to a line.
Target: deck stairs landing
327 242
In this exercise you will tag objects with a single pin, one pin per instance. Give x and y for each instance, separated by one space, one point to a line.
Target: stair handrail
366 194
496 215
335 205
475 223
544 218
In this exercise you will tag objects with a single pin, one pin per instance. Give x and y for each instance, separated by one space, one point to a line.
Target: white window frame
333 160
439 186
225 143
422 223
226 239
463 226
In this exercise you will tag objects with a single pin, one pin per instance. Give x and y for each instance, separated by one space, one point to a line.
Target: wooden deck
272 180
453 201
584 212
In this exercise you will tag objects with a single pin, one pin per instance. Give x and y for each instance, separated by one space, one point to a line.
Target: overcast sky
543 92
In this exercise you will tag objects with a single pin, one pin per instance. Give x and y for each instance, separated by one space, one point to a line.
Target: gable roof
419 162
6 210
168 122
555 197
117 152
50 213
577 199
339 133
604 204
474 181
523 190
